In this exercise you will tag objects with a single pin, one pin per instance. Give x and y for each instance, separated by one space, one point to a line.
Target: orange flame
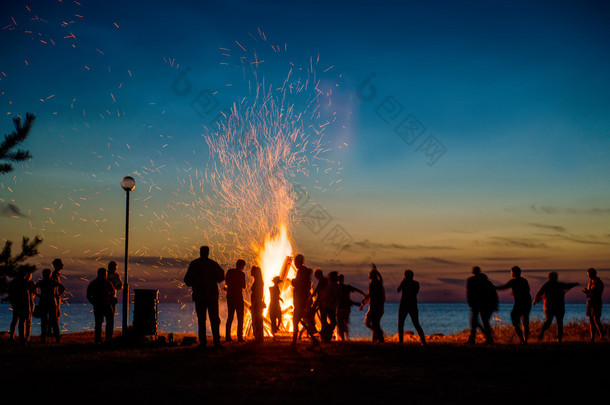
272 259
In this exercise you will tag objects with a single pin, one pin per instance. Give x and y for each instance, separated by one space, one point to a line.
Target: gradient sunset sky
505 161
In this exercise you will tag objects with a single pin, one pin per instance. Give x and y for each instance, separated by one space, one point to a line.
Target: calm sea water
445 318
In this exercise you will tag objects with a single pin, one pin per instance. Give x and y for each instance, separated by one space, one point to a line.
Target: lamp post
128 184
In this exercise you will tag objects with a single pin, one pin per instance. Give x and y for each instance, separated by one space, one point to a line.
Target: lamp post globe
128 183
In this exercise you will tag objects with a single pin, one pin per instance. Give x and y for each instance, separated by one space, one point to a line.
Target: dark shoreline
443 372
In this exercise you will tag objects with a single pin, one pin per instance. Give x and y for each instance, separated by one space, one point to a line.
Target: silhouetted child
553 292
257 304
275 309
49 294
408 306
594 291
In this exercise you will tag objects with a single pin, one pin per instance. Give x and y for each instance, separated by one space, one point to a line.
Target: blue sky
516 93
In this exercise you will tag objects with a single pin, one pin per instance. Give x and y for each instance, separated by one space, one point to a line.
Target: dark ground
354 372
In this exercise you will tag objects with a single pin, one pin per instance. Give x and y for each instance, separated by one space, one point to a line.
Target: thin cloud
367 244
439 260
553 210
11 210
555 228
518 242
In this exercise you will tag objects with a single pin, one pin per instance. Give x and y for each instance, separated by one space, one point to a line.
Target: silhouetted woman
594 291
408 306
376 301
257 304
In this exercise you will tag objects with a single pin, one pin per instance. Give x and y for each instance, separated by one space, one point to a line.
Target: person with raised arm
520 314
553 292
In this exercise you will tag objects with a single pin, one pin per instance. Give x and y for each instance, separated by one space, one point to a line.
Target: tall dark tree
8 153
11 265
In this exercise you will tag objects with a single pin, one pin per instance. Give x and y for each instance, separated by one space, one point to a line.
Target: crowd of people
330 301
322 311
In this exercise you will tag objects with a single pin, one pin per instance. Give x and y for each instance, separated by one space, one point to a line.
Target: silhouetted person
101 295
114 277
21 292
318 274
375 298
257 304
301 292
275 309
522 307
408 306
482 298
594 291
49 293
235 280
344 306
328 303
58 266
553 292
203 276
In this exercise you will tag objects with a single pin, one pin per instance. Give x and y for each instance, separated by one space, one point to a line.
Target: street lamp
128 184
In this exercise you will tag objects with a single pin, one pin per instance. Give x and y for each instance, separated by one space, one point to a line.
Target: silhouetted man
49 292
553 292
21 292
594 291
408 306
523 303
301 290
101 295
235 280
203 276
344 306
483 301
